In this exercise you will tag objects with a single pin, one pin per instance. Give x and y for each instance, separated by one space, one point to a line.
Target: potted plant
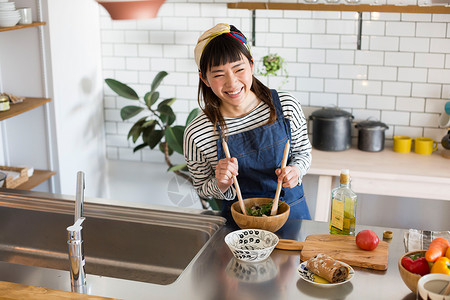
156 127
272 64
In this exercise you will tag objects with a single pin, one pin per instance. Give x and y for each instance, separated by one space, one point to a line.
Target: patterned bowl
251 245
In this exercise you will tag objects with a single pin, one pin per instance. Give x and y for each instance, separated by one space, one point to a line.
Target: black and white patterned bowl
251 245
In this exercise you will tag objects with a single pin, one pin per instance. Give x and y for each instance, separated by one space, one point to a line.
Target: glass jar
4 103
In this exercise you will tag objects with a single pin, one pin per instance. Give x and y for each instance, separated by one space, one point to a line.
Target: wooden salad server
277 193
236 184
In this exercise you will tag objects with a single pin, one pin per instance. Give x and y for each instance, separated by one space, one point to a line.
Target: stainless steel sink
145 245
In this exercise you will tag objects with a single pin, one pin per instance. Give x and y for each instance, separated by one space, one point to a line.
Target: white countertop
385 164
382 173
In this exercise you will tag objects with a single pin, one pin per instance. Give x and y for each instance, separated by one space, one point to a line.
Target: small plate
307 275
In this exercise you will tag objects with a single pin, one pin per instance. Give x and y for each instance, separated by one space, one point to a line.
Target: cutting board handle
285 244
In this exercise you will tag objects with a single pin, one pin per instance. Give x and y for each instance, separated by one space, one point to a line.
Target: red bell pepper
416 265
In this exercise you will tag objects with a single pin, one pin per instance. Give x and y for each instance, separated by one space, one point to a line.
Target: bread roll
327 267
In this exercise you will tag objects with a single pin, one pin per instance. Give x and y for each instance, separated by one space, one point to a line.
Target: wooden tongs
277 193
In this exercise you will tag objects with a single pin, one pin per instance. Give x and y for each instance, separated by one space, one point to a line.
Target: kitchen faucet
75 241
79 201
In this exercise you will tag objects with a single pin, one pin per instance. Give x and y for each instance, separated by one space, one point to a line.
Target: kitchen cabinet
380 173
39 176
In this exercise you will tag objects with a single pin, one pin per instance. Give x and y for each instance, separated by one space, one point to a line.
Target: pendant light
131 9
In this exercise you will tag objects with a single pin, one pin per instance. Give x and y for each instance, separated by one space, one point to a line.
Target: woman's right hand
225 169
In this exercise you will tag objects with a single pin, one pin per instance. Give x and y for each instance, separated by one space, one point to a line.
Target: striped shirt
200 143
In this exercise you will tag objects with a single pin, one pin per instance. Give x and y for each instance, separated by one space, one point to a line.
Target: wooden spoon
277 193
236 184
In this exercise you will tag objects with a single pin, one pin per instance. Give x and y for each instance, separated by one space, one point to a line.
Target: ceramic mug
402 144
444 120
25 15
432 286
424 145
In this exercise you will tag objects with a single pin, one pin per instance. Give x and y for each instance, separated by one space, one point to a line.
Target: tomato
367 240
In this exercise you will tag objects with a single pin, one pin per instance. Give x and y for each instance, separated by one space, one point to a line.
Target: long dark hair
219 51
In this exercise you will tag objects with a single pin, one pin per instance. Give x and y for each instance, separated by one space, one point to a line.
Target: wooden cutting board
340 247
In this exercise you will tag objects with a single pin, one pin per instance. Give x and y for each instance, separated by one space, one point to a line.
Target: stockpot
331 129
371 135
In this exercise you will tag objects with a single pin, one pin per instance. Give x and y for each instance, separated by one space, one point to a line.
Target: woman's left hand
289 176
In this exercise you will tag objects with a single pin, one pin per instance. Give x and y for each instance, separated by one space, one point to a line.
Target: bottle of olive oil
343 207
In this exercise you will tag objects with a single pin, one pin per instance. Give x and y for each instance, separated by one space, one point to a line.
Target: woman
256 123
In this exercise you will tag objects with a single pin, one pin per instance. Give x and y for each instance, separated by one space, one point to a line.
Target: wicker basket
10 182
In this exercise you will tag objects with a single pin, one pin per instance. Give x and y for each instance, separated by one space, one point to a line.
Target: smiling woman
231 82
256 123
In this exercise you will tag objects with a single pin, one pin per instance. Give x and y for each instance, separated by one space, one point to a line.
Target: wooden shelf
342 7
26 105
39 176
20 26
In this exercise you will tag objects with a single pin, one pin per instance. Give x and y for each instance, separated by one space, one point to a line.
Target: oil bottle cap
345 171
345 176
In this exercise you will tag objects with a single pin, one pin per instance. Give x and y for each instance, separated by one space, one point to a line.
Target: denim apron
259 152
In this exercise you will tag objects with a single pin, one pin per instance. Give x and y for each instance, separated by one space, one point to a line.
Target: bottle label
337 214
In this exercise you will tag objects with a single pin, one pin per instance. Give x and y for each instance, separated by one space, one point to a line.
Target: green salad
261 210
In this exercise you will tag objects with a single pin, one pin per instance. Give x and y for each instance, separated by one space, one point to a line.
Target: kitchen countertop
214 277
215 274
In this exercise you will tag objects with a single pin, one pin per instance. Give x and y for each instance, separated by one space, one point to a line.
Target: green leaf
157 80
192 115
136 129
139 147
149 123
153 137
122 89
130 111
165 110
174 137
150 98
146 133
134 132
168 120
177 167
161 147
167 114
167 102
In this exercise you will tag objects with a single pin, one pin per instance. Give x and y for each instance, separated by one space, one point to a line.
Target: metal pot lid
331 113
373 125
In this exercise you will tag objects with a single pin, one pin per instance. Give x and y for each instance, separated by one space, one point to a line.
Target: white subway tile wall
401 75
